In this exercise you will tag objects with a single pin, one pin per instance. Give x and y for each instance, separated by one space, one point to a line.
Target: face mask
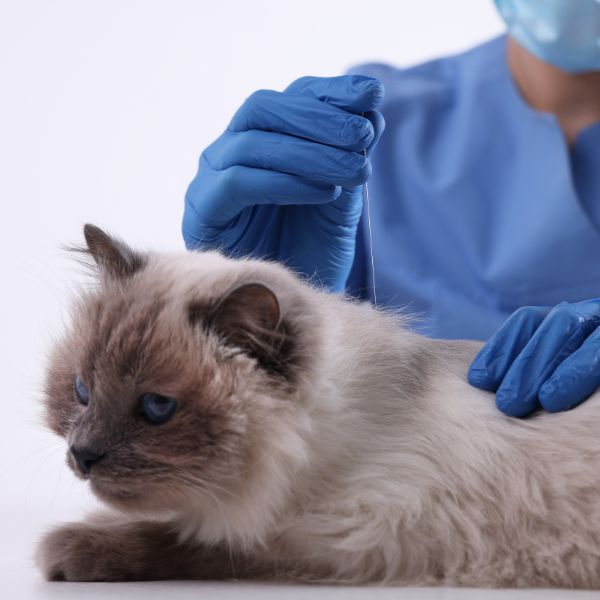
564 33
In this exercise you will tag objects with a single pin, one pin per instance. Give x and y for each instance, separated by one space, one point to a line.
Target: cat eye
81 391
158 409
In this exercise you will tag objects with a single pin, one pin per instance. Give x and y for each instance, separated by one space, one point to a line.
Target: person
484 195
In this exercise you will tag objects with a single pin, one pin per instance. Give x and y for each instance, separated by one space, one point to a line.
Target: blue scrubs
478 206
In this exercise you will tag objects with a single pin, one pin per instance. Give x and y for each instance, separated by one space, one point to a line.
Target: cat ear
113 257
249 317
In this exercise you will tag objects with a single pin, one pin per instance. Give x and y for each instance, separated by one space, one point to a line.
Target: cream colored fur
373 461
392 468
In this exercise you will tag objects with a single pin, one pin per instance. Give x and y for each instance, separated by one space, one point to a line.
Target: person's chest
478 208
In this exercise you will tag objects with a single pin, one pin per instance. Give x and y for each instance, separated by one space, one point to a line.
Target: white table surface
19 579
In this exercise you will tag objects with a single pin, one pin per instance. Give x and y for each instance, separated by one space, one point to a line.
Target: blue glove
542 356
284 181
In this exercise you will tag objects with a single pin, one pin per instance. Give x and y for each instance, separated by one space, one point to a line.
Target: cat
241 423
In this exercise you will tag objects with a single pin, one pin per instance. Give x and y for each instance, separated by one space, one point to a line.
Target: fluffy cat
243 424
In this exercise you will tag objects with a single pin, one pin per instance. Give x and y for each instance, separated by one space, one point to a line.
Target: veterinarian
484 194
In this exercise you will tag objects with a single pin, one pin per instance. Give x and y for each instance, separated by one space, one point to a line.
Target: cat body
315 439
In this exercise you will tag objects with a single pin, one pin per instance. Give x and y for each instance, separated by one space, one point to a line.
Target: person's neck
573 97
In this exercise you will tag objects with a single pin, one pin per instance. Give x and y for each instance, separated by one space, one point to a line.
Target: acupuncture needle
368 203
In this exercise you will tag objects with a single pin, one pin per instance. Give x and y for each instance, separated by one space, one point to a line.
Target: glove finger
347 207
561 333
354 93
378 123
351 199
224 194
495 358
576 378
304 117
288 154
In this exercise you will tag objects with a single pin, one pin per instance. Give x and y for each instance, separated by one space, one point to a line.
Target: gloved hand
542 356
284 180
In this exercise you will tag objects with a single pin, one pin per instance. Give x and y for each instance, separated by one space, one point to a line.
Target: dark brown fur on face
227 353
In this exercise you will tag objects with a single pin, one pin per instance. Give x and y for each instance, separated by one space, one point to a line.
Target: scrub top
478 205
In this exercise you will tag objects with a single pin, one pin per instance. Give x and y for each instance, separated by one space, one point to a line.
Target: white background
105 107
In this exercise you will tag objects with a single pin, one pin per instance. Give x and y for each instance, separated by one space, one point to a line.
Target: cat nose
85 458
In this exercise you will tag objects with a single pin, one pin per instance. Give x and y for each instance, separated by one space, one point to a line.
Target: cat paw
118 550
77 552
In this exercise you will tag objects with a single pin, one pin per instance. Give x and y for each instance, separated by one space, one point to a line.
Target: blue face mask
564 33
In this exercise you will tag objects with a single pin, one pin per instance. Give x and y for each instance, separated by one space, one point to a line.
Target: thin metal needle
366 188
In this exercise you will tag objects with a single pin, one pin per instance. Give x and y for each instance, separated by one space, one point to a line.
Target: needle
366 193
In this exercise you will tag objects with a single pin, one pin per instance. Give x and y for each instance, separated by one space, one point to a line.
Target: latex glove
542 356
284 180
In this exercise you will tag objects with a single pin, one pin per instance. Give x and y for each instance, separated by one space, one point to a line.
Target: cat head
183 378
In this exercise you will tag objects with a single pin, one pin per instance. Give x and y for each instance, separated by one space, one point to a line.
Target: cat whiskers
51 453
28 456
203 485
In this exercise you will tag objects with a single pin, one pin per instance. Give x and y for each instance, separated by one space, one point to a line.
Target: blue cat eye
158 409
82 391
